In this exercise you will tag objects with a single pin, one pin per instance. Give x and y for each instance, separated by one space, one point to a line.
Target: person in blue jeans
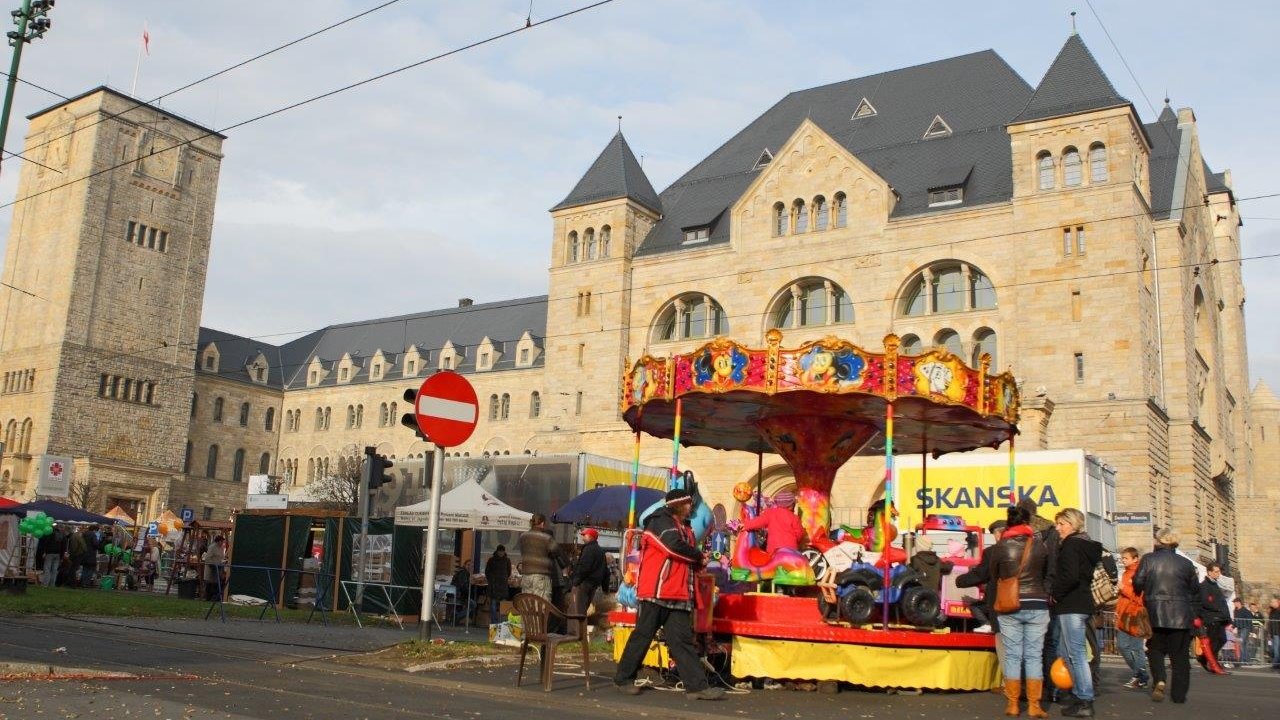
1132 648
1020 554
1072 594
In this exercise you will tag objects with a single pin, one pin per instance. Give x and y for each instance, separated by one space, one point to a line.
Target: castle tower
104 281
1257 500
597 228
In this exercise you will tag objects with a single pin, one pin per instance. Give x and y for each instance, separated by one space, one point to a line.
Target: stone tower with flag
104 280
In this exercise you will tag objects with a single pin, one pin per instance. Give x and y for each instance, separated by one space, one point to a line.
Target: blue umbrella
605 506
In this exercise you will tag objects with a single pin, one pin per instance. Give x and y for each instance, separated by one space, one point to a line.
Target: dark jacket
497 573
590 566
668 558
1213 604
539 553
1073 577
1167 583
1008 556
928 564
1048 534
982 575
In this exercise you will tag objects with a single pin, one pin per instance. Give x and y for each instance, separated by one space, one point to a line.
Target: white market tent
466 507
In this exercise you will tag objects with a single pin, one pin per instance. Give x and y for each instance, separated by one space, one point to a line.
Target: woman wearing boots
1020 554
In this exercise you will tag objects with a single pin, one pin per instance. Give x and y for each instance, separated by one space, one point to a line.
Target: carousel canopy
732 397
466 507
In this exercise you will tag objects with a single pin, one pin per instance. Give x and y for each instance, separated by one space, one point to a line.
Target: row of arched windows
818 213
589 246
115 387
1072 167
19 381
17 437
268 419
387 416
500 406
982 341
237 463
946 286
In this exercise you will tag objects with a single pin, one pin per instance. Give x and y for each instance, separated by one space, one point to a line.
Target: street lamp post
33 22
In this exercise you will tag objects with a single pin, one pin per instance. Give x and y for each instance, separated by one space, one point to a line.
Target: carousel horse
877 536
784 566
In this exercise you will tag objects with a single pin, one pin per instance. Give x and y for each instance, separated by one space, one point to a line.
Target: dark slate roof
615 174
504 323
975 94
1166 139
1073 84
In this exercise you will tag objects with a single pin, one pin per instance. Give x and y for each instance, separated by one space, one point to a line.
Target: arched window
351 417
604 241
690 316
237 466
589 240
10 433
573 246
244 414
147 395
186 460
535 404
24 437
195 402
841 210
328 415
984 341
394 417
947 286
1097 163
949 339
911 345
801 215
311 469
811 301
1071 168
264 464
211 465
505 410
821 213
217 409
493 407
1044 168
269 420
319 418
359 416
383 417
779 219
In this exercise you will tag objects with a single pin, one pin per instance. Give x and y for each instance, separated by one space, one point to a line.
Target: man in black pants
668 559
1167 583
589 572
1213 609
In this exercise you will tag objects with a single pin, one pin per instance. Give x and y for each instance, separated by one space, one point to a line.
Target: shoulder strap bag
1007 600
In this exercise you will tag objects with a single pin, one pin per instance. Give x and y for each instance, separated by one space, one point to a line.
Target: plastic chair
535 613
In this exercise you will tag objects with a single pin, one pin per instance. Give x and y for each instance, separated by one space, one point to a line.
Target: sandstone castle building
952 203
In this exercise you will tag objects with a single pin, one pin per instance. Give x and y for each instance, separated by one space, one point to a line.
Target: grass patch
39 600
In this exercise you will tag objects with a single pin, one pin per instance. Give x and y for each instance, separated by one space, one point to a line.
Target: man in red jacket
668 559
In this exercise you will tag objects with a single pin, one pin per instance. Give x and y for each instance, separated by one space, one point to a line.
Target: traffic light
376 466
410 419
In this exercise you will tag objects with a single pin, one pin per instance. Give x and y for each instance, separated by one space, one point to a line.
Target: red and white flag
146 40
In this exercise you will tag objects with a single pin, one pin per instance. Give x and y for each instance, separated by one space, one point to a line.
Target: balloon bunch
37 524
115 551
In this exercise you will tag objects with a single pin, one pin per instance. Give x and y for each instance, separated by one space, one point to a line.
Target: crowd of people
1161 607
75 556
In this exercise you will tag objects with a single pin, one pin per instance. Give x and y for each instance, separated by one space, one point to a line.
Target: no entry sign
446 409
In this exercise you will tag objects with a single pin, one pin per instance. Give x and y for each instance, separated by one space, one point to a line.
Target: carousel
847 608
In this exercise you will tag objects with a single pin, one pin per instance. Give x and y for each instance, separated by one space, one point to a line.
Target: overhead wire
309 100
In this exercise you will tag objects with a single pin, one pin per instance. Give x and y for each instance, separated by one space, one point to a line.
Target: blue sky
434 184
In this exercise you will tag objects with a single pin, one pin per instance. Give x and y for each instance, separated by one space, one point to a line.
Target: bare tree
339 490
84 494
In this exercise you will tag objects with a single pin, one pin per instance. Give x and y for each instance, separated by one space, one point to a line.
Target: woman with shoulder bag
1132 624
1022 602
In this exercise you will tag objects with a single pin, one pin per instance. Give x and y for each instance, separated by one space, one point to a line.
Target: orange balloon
1060 675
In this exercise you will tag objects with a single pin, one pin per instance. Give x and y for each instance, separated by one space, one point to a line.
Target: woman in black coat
1073 604
1170 592
497 576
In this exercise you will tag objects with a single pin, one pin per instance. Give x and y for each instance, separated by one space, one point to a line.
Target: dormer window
377 371
864 109
208 362
260 374
484 360
411 368
697 235
942 197
765 158
937 128
342 374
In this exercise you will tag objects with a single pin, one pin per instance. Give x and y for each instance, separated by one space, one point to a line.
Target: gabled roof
615 174
235 352
1074 83
976 93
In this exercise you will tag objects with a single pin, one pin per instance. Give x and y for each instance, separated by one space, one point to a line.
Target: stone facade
106 262
1256 501
1123 322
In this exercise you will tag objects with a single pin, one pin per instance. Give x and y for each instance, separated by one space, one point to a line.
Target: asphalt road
191 669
